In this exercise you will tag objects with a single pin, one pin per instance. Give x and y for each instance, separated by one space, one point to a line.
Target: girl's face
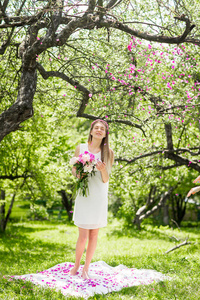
98 131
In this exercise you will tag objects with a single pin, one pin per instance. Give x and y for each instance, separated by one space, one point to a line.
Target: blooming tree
134 65
33 28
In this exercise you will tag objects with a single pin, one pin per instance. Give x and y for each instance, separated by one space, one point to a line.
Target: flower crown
100 120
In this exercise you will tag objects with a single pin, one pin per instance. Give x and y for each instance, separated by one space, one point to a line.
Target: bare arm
197 180
77 152
101 166
193 191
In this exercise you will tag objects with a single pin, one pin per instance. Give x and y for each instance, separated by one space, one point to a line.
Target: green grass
29 247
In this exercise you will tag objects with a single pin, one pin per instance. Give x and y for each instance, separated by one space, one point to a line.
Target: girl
90 213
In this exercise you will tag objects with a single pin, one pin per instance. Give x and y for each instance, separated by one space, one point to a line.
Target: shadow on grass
147 292
20 289
17 249
194 230
139 234
151 233
19 253
15 230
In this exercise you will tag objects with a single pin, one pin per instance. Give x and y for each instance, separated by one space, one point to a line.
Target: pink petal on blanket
103 279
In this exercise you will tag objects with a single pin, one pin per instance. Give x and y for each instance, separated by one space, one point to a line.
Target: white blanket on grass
103 279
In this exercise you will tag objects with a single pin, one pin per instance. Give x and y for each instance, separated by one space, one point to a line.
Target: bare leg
92 243
80 247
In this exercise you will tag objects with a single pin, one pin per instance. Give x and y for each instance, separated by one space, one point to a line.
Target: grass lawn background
28 247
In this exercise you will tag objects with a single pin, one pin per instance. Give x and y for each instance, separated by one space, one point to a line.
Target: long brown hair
106 152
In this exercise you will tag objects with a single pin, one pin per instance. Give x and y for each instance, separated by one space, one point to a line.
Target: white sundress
91 212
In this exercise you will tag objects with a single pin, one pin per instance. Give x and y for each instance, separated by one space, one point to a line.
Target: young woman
90 213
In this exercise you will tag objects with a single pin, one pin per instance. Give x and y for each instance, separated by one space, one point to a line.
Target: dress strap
83 148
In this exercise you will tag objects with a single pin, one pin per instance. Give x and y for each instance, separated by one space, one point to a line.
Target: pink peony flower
73 160
85 158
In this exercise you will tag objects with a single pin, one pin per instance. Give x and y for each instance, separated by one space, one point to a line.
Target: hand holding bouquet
85 165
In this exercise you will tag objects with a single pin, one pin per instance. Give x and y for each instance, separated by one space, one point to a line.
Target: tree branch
6 43
168 167
23 21
188 27
3 13
160 203
178 246
168 132
13 177
46 74
112 3
192 41
182 161
126 122
85 99
147 36
5 4
141 214
91 6
129 161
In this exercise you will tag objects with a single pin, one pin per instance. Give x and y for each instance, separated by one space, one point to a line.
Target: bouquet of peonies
85 165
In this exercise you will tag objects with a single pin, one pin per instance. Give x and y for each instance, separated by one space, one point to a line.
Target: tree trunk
5 218
141 214
178 208
168 132
137 220
22 109
67 202
2 211
166 214
9 211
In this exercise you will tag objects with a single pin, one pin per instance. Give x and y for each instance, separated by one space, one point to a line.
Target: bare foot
73 271
85 275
